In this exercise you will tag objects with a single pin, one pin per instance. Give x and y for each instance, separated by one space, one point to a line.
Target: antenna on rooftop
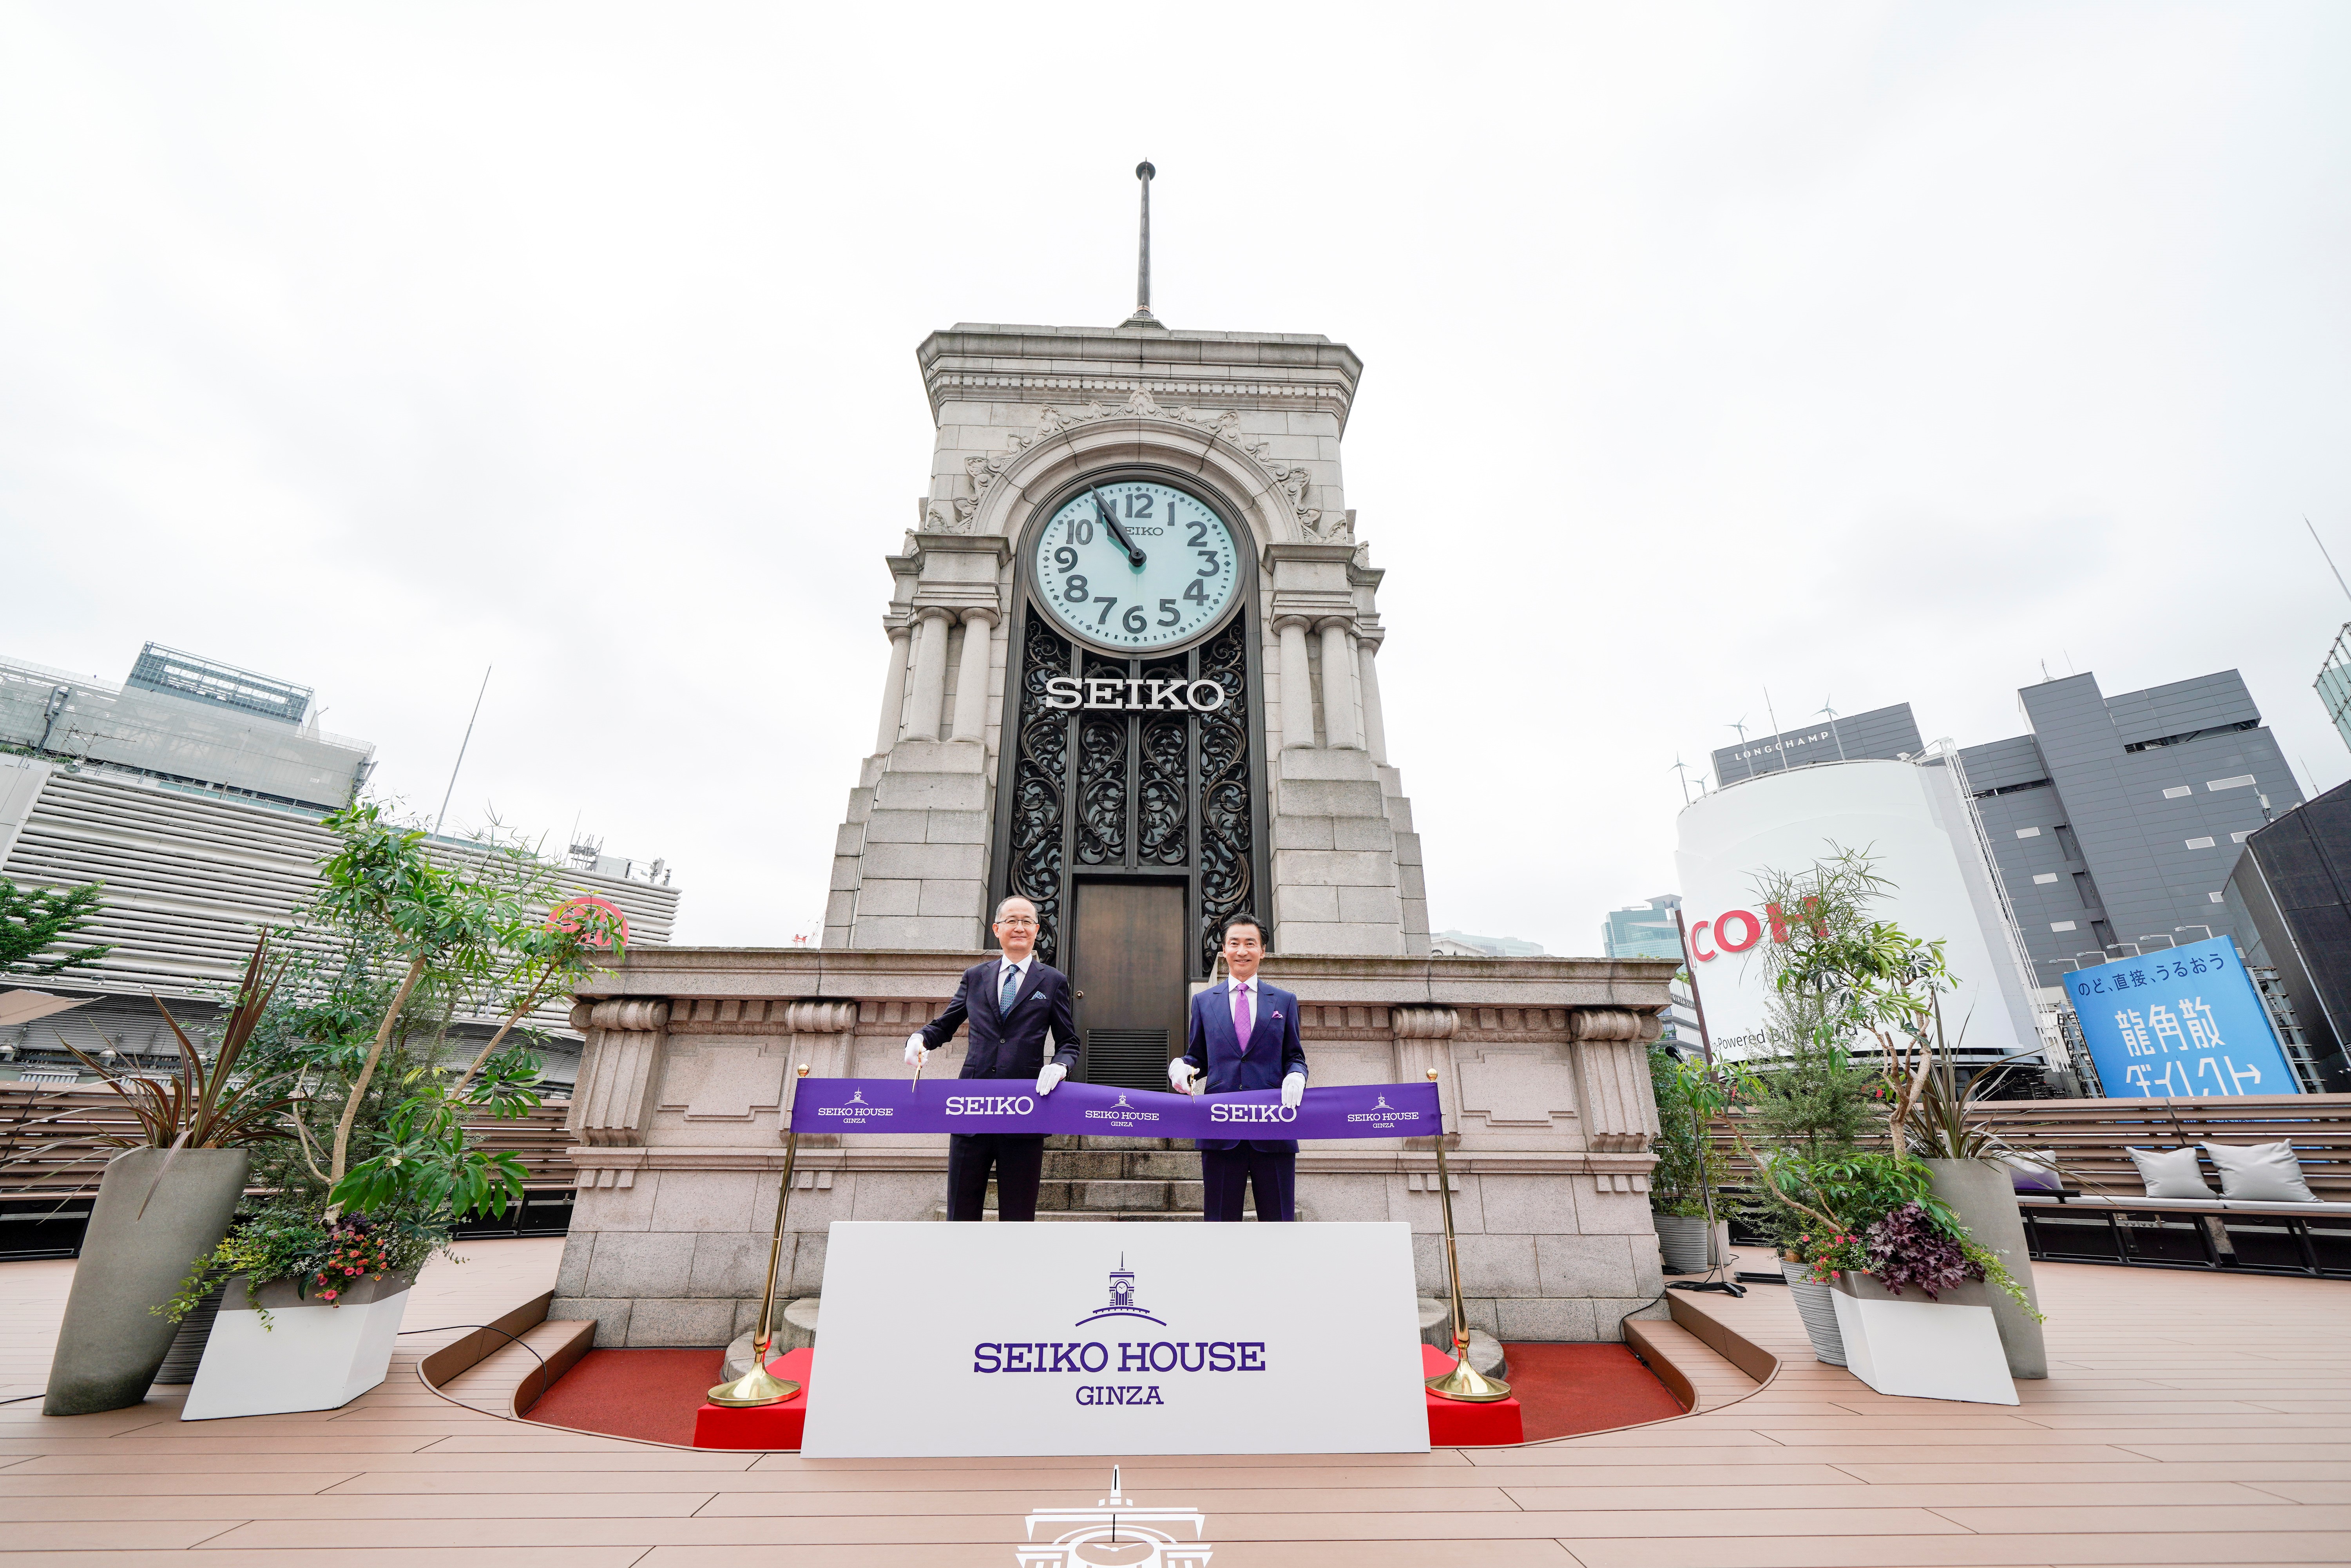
1775 727
1833 728
461 751
1143 316
2345 587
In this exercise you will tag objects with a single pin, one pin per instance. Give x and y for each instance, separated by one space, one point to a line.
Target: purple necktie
1242 1019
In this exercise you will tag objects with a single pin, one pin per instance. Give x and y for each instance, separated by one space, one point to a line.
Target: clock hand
1134 556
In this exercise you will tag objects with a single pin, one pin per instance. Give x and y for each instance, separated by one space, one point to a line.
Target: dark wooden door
1128 969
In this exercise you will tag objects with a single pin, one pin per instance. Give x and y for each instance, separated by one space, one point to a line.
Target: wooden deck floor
2190 1418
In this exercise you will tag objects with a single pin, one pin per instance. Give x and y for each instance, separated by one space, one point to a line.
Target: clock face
1137 565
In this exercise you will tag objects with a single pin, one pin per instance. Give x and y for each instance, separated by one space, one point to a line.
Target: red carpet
633 1393
1561 1390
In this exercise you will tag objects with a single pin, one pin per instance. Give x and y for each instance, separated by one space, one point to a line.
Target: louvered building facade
193 865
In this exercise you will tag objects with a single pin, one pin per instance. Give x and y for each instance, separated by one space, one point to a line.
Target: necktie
1244 1017
1011 988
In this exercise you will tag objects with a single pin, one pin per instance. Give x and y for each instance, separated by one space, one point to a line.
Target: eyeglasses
1017 920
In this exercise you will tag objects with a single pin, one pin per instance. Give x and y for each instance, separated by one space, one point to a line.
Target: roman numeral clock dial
1136 566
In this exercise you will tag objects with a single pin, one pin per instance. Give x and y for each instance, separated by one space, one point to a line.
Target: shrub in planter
168 1196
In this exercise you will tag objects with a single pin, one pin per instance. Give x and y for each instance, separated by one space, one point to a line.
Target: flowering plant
322 1259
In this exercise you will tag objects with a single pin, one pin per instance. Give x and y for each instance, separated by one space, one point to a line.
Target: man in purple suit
1244 1035
1018 1007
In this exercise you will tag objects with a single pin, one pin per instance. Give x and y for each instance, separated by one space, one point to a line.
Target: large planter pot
1983 1195
111 1342
1818 1312
1681 1241
310 1356
1909 1346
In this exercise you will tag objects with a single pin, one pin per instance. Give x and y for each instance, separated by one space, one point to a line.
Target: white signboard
962 1340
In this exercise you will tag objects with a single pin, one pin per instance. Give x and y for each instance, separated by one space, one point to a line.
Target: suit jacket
1273 1054
1009 1045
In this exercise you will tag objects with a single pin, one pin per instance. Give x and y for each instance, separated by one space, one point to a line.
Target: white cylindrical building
1914 822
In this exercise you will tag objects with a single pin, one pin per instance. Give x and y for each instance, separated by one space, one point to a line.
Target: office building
194 792
1642 930
2116 819
2292 890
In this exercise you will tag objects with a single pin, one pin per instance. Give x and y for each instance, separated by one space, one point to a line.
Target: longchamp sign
952 1340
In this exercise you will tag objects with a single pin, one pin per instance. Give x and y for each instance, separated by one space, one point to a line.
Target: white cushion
2264 1173
2170 1173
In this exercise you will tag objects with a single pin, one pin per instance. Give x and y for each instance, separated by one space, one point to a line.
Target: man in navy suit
1244 1035
1011 1003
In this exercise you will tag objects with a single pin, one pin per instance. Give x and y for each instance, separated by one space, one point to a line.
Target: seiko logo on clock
1134 696
1136 565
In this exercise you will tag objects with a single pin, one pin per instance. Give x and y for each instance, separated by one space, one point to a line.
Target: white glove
1293 1090
915 1050
1179 1077
1054 1072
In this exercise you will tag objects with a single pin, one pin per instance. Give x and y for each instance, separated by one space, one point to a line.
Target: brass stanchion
1465 1382
759 1385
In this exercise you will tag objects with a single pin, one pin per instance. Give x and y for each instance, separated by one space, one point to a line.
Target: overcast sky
1865 353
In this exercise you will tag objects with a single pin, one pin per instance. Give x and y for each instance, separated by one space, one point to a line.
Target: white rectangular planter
1923 1349
313 1356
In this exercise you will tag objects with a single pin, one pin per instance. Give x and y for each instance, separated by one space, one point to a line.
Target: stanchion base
760 1426
1459 1424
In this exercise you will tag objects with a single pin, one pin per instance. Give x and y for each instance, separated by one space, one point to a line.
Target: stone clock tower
1157 520
1133 674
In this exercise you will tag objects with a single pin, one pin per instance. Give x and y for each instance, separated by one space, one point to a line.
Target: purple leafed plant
1907 1248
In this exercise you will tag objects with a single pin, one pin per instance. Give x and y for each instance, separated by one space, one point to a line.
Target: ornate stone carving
821 1016
1225 426
1424 1023
953 516
1141 403
1297 484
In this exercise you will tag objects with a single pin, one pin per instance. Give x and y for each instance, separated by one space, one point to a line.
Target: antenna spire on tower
1143 316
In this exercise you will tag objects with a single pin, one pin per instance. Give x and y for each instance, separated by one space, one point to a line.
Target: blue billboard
2182 1021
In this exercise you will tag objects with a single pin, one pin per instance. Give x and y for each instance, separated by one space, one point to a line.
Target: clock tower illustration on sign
1121 1298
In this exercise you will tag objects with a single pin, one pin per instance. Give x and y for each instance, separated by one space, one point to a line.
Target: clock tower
1131 674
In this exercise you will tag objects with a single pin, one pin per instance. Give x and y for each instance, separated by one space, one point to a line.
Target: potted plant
1882 1233
1869 1222
167 1196
317 1282
1687 1171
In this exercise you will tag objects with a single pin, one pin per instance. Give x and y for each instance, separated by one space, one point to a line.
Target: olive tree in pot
167 1197
1688 1169
318 1283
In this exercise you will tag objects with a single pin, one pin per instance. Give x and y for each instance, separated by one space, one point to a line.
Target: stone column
930 675
1297 690
1375 726
971 676
893 690
1338 685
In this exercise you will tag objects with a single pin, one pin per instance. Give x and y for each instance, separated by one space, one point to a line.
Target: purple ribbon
852 1105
